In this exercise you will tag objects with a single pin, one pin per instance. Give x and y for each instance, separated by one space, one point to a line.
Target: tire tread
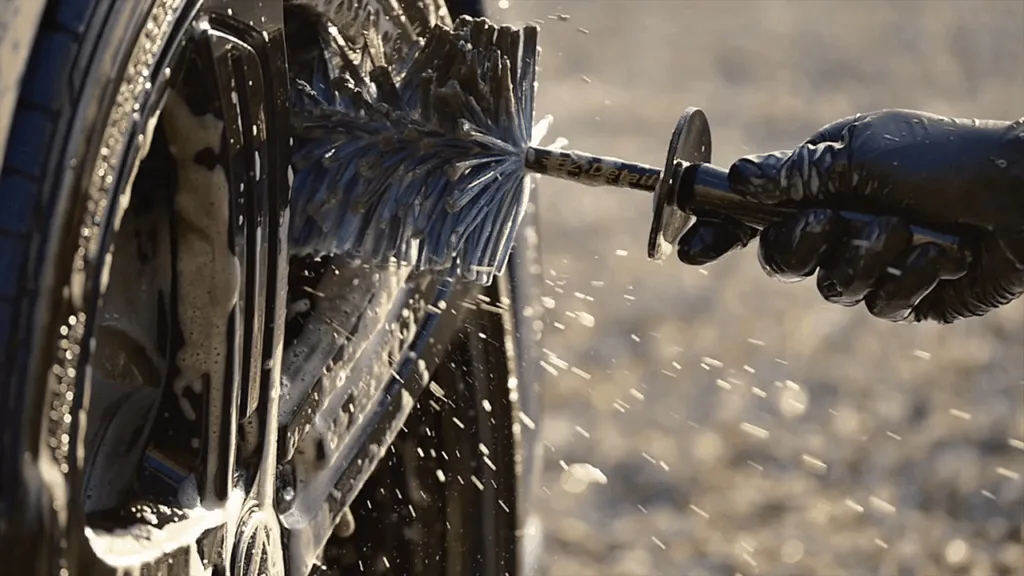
48 94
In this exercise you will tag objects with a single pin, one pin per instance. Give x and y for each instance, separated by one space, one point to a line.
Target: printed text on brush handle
591 170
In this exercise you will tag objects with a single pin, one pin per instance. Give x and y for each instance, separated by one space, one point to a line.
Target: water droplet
957 551
577 477
792 551
792 402
755 431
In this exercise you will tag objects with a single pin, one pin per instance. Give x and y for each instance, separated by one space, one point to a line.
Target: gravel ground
740 425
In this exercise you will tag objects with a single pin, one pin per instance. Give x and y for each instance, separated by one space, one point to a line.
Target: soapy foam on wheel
130 550
208 272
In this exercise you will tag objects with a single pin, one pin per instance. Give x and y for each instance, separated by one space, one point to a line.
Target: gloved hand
898 164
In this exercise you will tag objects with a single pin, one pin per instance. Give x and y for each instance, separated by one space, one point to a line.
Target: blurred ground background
743 426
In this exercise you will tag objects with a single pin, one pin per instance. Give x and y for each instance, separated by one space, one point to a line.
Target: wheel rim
171 473
155 450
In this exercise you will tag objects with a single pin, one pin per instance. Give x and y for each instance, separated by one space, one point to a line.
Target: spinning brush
429 165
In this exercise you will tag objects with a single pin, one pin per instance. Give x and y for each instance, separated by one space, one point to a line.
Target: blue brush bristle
424 164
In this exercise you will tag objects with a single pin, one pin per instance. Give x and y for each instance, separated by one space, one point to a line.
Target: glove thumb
759 177
801 174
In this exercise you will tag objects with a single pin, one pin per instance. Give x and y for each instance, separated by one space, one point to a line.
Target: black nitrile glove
931 169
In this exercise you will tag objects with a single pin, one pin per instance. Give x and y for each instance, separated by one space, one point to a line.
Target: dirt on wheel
713 421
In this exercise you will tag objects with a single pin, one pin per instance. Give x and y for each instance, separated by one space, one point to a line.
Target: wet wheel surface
178 394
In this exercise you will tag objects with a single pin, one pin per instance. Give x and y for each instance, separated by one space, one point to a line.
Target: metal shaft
591 170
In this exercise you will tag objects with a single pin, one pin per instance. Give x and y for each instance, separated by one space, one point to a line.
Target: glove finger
708 240
860 260
792 249
915 273
994 279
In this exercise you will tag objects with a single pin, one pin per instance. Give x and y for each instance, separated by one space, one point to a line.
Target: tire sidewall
100 138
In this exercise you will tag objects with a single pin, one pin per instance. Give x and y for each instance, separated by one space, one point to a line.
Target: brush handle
703 190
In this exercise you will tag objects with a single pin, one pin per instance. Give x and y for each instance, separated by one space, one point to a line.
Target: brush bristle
421 163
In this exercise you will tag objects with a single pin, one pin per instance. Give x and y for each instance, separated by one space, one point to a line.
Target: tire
84 130
53 245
